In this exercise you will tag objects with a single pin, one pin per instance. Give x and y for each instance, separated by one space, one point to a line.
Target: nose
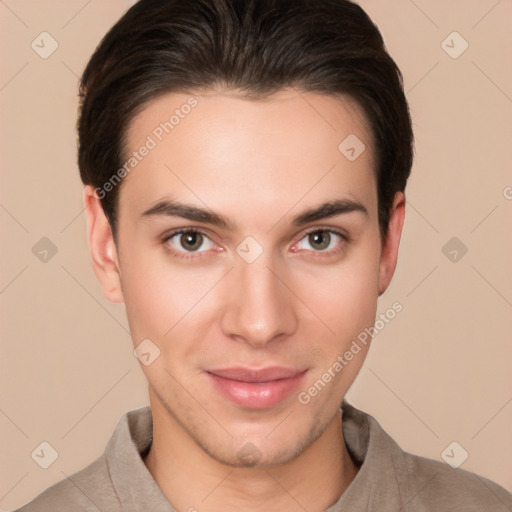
260 307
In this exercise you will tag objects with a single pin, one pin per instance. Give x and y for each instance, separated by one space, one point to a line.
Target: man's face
263 291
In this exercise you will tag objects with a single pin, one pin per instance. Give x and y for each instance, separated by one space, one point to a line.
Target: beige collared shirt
389 479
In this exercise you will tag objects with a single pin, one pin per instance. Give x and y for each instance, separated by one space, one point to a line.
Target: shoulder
408 482
426 484
87 490
434 485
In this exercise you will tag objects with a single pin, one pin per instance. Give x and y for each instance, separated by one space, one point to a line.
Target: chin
248 455
259 451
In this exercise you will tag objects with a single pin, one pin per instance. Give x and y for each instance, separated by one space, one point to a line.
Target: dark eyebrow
329 209
190 212
325 210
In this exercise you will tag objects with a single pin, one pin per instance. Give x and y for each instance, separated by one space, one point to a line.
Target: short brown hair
254 46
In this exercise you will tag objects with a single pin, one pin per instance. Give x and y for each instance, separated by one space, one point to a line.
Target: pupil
192 241
317 237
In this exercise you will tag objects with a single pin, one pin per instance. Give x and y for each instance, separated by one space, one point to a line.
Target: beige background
439 372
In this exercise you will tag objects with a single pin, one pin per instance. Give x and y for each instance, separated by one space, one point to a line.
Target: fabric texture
389 479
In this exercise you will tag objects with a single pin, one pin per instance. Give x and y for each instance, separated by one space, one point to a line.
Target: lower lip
256 395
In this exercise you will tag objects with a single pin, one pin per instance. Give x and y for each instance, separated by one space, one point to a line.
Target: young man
244 164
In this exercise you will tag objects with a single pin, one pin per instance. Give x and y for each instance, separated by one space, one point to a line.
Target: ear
105 260
389 252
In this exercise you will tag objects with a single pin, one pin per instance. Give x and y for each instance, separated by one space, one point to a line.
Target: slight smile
262 388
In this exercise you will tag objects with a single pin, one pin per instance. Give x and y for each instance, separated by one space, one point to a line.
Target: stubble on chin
240 452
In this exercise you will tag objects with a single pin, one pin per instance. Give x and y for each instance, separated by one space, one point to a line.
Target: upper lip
267 374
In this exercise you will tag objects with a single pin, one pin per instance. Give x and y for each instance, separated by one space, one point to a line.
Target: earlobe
105 260
389 252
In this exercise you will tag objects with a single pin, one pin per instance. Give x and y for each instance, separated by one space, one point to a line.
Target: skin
259 163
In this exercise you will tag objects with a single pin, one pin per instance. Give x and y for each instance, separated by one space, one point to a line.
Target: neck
191 480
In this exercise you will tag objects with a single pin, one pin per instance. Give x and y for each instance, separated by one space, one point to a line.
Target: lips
260 388
262 375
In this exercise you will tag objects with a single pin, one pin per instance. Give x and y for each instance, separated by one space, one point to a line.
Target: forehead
226 151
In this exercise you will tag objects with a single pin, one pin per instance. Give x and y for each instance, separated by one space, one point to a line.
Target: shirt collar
373 450
376 482
135 487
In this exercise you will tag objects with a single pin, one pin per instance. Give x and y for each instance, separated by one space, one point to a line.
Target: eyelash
191 255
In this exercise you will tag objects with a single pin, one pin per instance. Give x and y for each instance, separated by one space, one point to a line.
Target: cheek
345 296
162 297
347 305
153 294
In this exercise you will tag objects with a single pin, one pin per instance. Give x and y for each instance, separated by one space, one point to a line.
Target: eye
188 241
322 240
